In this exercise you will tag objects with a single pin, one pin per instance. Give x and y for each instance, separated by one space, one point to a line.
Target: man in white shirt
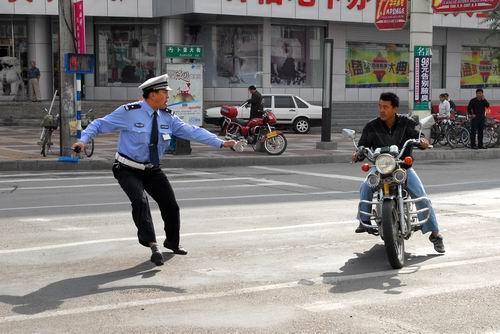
444 107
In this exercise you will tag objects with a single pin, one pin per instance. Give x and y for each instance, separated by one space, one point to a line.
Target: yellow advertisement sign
377 65
480 67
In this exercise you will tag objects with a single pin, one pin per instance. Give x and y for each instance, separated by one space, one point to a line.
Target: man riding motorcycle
392 129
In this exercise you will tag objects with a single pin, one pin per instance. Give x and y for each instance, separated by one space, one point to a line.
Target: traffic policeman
146 128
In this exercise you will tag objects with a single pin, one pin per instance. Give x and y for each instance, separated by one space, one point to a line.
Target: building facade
276 45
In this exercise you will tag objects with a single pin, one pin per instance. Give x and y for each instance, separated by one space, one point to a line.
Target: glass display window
127 54
296 57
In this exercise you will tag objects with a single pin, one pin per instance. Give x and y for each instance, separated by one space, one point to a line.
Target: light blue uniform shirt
134 122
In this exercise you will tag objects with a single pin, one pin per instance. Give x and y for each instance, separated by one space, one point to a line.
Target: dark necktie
153 143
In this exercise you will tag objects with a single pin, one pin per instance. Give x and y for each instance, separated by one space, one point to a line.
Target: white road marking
196 234
325 306
321 193
260 182
168 171
315 307
329 176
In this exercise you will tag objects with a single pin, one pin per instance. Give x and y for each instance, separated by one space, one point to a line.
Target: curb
235 161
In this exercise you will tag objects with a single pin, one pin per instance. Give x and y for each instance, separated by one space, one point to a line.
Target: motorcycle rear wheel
393 240
275 145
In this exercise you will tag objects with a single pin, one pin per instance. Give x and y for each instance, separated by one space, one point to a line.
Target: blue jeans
415 188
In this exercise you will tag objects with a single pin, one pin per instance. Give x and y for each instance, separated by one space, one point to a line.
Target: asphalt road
271 250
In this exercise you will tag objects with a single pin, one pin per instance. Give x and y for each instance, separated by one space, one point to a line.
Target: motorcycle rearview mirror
348 133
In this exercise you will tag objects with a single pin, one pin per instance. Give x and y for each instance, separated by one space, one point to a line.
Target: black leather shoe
482 147
176 249
157 258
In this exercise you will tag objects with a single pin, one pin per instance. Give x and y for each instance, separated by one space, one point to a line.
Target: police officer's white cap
156 83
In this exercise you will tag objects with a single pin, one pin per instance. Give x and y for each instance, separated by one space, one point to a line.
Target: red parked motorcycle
257 132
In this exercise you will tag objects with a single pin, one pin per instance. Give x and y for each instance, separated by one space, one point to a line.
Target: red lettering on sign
307 3
278 2
361 5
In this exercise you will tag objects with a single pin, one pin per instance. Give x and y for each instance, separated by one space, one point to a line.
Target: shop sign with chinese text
422 81
184 51
458 6
391 14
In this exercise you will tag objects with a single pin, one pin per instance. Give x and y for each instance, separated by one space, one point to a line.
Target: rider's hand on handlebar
424 143
354 157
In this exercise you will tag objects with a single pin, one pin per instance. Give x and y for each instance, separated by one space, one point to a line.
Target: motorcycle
257 132
394 212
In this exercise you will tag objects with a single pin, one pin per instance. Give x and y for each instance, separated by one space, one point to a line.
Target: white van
289 110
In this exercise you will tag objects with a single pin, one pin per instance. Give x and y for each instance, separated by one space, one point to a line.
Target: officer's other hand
78 147
354 157
424 143
229 143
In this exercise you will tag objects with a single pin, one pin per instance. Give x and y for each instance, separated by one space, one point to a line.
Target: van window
283 102
300 104
266 101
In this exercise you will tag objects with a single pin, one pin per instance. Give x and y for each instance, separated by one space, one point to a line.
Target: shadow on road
54 294
355 274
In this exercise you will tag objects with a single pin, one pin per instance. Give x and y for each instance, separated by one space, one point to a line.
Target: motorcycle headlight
385 163
373 180
399 175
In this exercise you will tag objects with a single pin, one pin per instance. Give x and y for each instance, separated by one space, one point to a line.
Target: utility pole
420 35
67 83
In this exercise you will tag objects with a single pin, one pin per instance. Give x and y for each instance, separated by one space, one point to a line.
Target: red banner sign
391 14
79 21
459 6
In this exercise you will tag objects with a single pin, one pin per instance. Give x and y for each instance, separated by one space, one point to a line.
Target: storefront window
377 65
127 54
480 67
438 66
232 54
296 57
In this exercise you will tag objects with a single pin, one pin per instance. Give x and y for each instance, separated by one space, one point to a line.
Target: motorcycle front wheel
393 240
275 145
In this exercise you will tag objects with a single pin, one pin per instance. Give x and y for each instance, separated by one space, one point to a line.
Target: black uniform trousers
477 126
135 183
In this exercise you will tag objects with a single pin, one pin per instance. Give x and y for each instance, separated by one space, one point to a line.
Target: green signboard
422 80
184 51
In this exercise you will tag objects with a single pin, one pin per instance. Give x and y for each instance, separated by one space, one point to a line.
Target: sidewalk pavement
19 152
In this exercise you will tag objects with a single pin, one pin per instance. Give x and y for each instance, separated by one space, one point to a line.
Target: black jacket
478 107
256 108
377 134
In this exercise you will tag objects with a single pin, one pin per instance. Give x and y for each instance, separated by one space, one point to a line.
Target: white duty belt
130 163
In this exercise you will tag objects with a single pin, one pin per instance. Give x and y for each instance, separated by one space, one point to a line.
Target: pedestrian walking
146 128
34 83
477 111
256 108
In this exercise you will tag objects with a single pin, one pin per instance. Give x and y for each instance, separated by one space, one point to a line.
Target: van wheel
301 125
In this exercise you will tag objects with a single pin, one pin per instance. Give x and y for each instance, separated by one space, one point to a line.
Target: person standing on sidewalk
145 130
256 109
477 111
34 83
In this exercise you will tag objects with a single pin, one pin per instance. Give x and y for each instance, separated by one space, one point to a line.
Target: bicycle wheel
435 133
442 140
89 148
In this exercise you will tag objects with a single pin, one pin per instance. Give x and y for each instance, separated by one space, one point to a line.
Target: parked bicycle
49 124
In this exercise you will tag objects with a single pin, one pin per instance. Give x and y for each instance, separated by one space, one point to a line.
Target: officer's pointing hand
229 143
78 147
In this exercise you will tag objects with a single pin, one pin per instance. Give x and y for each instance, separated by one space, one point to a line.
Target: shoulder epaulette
166 110
132 106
